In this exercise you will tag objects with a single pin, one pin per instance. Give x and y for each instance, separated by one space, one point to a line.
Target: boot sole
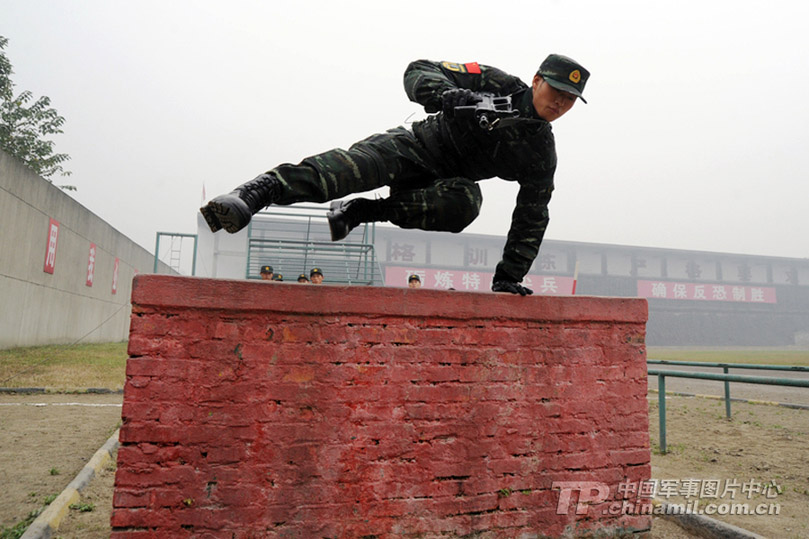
219 216
332 215
211 219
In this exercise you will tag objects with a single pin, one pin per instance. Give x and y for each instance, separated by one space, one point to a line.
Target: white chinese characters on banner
706 292
50 251
115 277
91 265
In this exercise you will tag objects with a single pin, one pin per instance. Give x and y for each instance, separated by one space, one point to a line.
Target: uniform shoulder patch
472 67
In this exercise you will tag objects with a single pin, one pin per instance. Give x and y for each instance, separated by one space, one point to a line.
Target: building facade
696 298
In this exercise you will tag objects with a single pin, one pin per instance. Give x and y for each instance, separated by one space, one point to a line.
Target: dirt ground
762 443
45 440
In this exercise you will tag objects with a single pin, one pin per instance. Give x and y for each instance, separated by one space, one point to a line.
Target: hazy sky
696 134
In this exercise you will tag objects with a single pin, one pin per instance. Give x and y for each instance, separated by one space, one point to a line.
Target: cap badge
575 76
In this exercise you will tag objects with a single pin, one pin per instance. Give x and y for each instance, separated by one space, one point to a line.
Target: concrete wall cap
243 295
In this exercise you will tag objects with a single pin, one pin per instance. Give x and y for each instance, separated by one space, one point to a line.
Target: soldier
433 168
303 279
414 281
316 276
278 277
266 273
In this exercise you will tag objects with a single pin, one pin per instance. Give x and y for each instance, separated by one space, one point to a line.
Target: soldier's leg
371 163
447 205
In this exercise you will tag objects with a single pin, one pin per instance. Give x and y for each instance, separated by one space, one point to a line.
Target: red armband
472 68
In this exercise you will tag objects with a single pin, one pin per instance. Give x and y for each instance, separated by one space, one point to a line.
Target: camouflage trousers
423 194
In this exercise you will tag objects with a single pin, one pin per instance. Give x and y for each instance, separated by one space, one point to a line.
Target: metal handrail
797 368
725 369
351 261
356 261
727 378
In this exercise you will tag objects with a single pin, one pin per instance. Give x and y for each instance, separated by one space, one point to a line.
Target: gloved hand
510 286
457 97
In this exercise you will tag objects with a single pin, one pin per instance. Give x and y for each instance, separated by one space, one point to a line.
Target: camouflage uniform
432 169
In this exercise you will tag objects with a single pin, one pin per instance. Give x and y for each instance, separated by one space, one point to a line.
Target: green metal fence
341 263
295 239
724 377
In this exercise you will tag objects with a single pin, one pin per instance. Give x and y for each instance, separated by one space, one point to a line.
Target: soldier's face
266 276
316 278
550 103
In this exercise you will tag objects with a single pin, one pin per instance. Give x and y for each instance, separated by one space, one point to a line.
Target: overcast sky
695 134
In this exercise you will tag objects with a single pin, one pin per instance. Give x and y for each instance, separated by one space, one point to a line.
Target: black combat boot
344 216
234 210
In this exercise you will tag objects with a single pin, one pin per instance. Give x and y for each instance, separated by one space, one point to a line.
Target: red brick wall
273 409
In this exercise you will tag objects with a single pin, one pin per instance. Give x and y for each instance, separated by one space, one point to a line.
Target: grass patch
82 507
17 531
750 357
64 367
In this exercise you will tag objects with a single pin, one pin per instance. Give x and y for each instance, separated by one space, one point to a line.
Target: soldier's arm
425 81
528 224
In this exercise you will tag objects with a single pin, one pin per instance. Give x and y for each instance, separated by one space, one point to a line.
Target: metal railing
295 239
341 263
724 377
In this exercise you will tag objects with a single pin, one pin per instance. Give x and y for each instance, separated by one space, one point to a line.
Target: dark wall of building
772 307
779 319
697 323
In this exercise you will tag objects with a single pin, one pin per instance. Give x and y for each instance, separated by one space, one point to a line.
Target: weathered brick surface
281 410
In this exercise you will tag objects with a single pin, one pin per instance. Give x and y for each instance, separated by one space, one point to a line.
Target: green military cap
315 271
266 269
302 277
278 277
564 74
414 277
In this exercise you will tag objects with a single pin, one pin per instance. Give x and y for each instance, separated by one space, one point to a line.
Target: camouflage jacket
524 152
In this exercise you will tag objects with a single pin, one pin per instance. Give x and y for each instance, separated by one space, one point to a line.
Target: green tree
24 122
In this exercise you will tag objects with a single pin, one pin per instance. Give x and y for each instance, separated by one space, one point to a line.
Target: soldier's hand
457 97
511 287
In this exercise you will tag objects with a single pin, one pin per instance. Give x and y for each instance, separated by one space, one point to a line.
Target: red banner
706 292
474 281
50 251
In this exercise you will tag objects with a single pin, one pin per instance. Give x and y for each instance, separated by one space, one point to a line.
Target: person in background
414 281
278 277
266 273
303 279
316 276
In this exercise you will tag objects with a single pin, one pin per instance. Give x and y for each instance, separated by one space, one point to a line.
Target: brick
143 518
458 505
124 498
